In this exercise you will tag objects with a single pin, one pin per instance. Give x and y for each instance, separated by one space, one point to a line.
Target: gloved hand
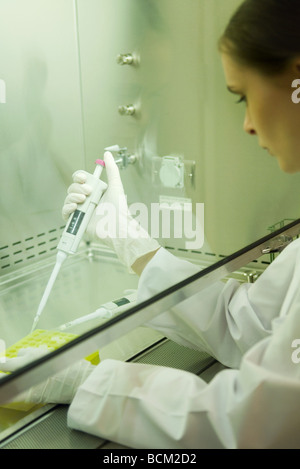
60 388
112 221
24 356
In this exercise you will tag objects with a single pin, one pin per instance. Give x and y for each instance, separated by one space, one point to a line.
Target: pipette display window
75 222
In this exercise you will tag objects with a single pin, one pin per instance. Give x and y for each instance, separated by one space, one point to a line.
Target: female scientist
250 328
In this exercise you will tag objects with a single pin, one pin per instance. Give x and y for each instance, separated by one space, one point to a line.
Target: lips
267 149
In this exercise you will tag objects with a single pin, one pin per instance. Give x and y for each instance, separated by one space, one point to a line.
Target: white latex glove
60 388
112 222
25 356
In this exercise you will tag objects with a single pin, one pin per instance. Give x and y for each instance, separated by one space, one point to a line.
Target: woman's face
271 114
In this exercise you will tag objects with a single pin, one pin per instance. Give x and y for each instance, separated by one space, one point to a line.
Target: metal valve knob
122 157
128 110
125 59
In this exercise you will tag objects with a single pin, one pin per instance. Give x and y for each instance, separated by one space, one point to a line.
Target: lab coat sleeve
257 406
145 406
224 319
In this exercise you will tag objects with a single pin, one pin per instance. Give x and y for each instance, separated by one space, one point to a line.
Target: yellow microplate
50 340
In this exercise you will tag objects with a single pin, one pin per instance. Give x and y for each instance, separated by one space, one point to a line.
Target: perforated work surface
175 356
52 432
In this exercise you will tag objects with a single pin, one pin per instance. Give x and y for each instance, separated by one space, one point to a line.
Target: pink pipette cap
100 162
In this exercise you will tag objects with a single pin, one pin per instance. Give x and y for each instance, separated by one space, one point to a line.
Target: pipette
106 311
74 231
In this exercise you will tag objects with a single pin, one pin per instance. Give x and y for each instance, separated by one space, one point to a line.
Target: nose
248 126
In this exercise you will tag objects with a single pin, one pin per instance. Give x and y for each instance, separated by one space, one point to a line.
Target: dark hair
264 34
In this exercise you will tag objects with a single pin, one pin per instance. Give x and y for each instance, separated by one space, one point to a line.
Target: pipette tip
33 327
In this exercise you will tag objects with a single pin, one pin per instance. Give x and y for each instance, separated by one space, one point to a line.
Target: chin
289 169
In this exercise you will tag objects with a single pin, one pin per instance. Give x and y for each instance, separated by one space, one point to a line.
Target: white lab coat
249 327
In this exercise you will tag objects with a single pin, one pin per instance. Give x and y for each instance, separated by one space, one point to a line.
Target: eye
242 99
